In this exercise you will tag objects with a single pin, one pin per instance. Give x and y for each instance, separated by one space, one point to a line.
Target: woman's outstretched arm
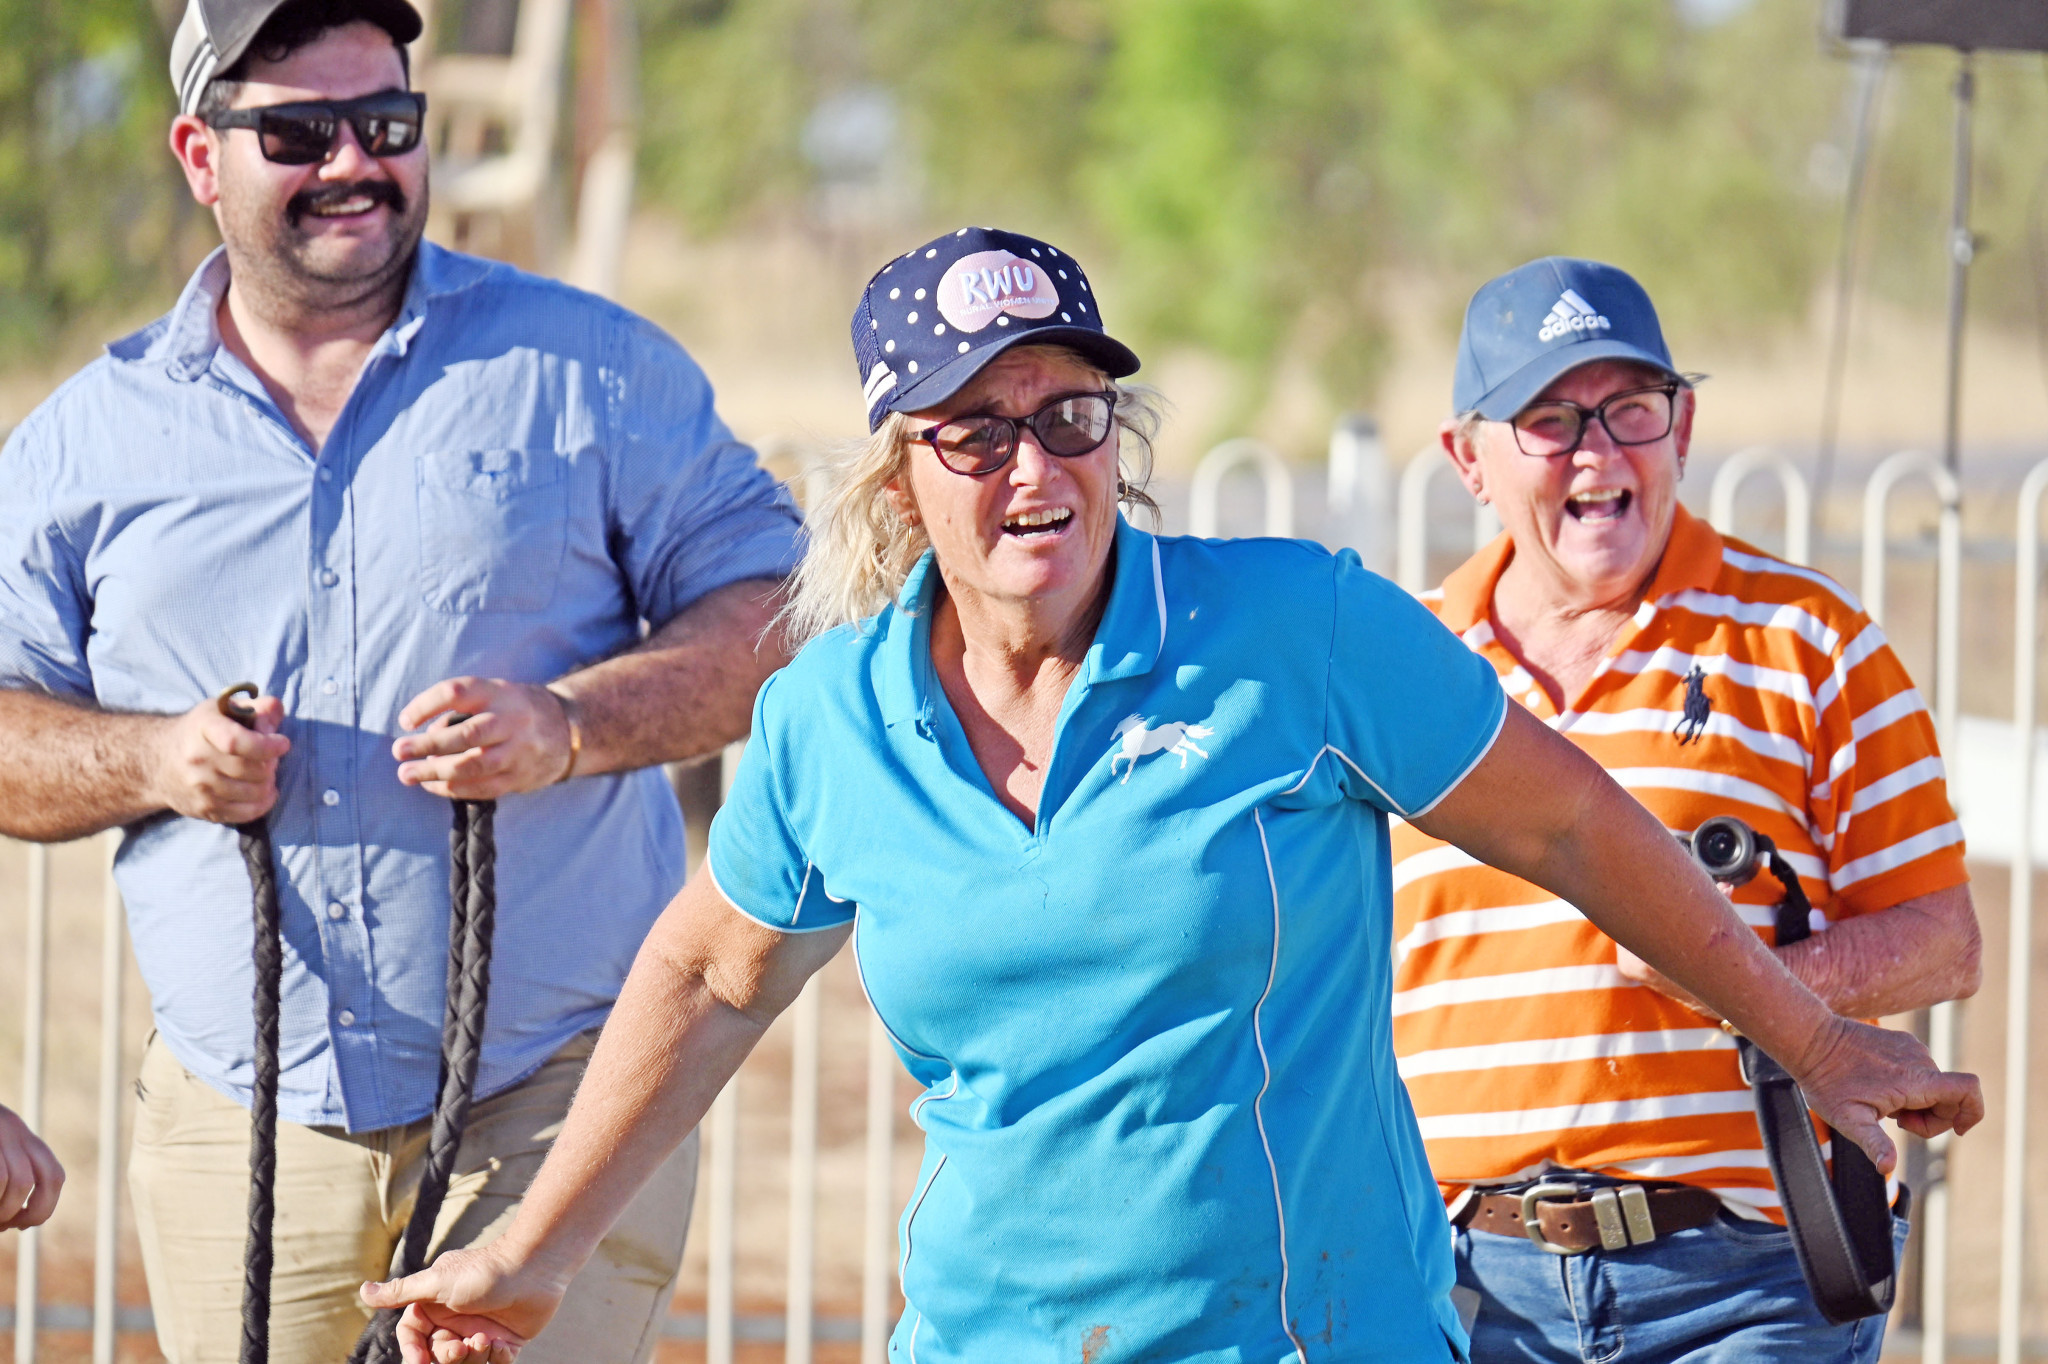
1539 808
707 983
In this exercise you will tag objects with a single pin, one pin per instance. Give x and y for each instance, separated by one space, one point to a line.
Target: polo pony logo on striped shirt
1136 739
1698 709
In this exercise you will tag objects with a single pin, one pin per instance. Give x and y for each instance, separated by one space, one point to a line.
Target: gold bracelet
575 735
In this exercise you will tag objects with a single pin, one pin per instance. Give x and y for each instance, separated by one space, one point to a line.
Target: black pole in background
1870 69
1962 249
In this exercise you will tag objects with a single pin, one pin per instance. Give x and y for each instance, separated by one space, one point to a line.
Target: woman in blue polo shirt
1105 816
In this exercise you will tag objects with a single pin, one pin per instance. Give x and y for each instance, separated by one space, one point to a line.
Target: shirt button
337 912
327 475
345 1018
329 687
328 577
330 797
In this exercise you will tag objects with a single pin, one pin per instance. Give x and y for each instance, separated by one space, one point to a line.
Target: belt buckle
1621 1215
1532 1225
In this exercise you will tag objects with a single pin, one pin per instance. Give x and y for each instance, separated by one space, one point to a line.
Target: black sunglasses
980 445
386 124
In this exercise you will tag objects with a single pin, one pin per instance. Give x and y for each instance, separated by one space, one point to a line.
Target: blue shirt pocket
494 526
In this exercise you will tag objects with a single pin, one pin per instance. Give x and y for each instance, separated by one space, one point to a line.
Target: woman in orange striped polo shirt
1708 679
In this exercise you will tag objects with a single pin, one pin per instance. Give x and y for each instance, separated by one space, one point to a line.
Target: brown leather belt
1571 1219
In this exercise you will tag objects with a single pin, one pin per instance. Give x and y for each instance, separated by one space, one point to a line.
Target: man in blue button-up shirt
394 485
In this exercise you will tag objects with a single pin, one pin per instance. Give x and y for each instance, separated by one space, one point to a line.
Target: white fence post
720 1191
1359 487
2012 1232
36 970
803 1174
722 1178
1203 497
1412 530
1941 1019
1412 540
1728 481
878 1238
107 1184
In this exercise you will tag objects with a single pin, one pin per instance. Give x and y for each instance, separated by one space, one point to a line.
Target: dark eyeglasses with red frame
1067 427
299 134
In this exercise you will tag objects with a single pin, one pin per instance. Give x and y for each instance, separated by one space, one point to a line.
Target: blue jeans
1729 1292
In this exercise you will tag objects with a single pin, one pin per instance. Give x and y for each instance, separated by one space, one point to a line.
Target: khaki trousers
342 1204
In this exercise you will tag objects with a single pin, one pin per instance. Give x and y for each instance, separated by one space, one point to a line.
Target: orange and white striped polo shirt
1523 1048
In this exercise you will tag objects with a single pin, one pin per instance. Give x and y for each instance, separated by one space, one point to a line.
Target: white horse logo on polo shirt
1137 739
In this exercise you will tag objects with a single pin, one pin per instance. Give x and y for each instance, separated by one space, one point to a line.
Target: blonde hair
858 551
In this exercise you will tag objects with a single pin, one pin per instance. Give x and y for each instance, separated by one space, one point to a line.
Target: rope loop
472 922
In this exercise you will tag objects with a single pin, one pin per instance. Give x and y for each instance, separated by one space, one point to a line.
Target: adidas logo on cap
1569 314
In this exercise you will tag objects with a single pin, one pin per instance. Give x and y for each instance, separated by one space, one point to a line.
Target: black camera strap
1840 1218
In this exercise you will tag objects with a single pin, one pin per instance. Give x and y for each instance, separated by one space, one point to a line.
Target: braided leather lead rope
472 920
257 1254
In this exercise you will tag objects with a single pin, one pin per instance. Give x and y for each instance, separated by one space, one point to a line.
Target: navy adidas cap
931 319
1538 320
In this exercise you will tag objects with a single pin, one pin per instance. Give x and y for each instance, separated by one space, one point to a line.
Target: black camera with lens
1732 853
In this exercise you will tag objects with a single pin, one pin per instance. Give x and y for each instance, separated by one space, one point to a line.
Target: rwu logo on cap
988 285
932 318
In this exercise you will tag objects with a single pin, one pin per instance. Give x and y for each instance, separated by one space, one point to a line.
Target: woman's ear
901 500
1456 436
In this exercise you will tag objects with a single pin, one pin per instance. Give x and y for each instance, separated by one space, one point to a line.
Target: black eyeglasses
980 445
1634 416
386 124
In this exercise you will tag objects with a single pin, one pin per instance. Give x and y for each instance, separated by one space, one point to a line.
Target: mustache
326 196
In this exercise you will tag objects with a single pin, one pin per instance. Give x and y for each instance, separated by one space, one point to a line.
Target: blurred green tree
1254 172
1251 174
91 206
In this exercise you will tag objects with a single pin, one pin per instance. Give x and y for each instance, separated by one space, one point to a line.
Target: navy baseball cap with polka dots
932 318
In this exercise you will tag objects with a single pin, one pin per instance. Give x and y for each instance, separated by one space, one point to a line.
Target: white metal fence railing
1362 512
1205 497
106 1192
1736 471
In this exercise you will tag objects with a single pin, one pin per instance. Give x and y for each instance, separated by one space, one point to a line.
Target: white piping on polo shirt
909 1226
1159 594
773 927
1392 804
801 895
910 1216
1266 1067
